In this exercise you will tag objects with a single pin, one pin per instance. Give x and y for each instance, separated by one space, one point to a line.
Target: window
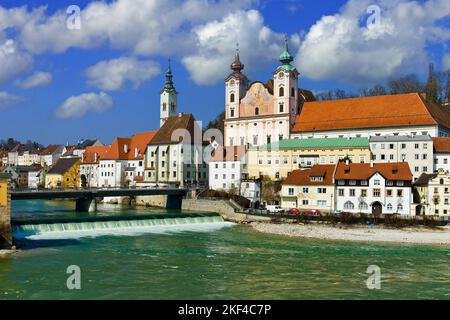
399 193
291 191
341 182
256 111
403 145
416 146
389 183
281 92
376 192
174 174
391 146
321 190
424 156
277 175
321 202
352 192
305 190
389 207
281 107
305 202
352 182
292 92
400 183
232 97
349 205
400 207
376 182
364 182
363 193
389 193
363 206
391 157
231 112
341 192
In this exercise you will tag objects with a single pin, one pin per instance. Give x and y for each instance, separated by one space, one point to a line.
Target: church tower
168 101
286 86
235 85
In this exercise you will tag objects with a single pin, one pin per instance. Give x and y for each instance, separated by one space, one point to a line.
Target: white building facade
417 151
373 188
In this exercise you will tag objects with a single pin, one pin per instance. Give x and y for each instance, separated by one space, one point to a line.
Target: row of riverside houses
277 131
350 187
167 156
33 168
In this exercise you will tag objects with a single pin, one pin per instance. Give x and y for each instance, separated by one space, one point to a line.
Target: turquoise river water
207 258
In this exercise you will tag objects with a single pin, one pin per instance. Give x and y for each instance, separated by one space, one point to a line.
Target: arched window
400 207
281 92
164 106
256 111
349 205
389 207
231 112
232 97
363 206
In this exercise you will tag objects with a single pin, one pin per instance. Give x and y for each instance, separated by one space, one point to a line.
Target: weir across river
85 200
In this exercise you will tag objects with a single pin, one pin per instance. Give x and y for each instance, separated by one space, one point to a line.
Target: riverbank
7 253
419 235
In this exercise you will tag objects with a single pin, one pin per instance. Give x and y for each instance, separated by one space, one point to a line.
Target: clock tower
168 100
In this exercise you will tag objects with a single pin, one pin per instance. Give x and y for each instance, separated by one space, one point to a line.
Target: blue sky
113 66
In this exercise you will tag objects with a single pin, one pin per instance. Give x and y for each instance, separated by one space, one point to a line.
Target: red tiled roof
303 177
50 149
368 112
363 171
441 145
94 154
135 147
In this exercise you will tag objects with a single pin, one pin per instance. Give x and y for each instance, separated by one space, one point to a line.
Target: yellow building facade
64 174
5 211
278 159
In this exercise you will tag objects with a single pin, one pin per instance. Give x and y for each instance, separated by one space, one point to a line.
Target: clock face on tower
281 75
232 83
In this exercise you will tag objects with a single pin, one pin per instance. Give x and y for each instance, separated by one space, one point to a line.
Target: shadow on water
25 244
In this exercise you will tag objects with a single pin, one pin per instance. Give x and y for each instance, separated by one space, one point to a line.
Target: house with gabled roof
308 189
373 188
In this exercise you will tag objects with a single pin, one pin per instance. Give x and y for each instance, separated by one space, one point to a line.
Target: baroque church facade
258 113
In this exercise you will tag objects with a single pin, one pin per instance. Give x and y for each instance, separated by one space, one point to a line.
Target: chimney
95 156
136 152
371 163
125 148
347 162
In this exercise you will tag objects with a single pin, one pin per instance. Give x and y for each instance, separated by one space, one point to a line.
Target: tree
432 87
406 84
217 123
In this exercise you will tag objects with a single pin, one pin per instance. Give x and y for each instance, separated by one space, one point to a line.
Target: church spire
168 86
286 57
237 65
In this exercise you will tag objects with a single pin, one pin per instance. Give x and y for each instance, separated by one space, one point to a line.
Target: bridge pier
84 204
174 202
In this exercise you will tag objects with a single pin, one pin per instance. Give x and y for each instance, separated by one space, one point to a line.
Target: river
215 260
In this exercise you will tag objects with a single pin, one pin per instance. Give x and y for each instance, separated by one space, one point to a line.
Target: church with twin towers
258 113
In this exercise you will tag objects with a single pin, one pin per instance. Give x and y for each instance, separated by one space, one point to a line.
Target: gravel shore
359 233
6 253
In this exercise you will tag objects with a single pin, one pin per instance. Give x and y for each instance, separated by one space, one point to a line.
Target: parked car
312 212
274 208
294 211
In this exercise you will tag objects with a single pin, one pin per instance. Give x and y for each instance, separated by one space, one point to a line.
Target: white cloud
8 100
12 60
446 61
216 45
37 79
111 74
78 106
341 47
141 26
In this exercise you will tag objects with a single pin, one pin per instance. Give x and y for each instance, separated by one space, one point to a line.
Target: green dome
286 57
